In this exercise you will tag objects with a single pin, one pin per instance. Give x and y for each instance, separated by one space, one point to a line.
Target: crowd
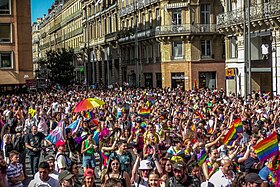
144 138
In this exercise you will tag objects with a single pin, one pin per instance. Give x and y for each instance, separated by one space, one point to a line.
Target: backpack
67 159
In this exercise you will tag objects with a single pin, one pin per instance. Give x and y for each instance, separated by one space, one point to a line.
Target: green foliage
60 65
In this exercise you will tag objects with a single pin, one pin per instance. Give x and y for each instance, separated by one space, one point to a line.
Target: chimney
49 11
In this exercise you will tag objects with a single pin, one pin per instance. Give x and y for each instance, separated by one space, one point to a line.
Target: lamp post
136 45
249 48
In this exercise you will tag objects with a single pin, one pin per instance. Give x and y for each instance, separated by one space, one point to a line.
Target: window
4 7
205 14
233 47
5 32
158 17
5 59
177 17
206 48
177 49
151 19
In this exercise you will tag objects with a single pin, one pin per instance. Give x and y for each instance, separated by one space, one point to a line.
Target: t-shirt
34 141
14 170
60 162
37 182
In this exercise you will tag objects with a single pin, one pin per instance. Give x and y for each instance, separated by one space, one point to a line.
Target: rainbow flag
143 112
201 157
210 130
267 147
237 123
230 136
199 116
89 115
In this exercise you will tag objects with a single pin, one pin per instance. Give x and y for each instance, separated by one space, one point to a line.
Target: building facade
170 43
147 43
261 48
62 28
15 43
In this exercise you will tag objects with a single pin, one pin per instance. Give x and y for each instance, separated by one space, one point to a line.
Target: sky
39 8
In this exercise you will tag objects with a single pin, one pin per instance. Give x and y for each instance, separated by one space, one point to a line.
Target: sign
179 77
230 73
81 69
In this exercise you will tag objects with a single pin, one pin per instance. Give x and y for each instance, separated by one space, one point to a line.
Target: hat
59 143
179 165
145 164
253 178
65 175
89 172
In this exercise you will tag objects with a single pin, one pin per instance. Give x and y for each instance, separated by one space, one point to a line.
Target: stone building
263 48
15 43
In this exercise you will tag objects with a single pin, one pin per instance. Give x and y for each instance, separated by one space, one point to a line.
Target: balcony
97 41
185 29
129 35
111 37
55 28
133 7
258 12
71 17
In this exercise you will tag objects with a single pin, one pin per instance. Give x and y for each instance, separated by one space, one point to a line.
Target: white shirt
265 49
60 162
37 182
220 180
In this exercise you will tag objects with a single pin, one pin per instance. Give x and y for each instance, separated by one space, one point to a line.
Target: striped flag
55 135
230 136
201 157
74 126
267 147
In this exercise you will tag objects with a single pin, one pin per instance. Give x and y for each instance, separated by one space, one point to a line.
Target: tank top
89 151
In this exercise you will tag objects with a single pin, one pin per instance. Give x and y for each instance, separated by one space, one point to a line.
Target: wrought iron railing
135 6
185 28
259 11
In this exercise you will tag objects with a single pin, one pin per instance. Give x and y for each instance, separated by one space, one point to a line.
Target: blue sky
39 8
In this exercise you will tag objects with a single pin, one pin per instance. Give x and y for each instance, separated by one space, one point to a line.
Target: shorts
88 161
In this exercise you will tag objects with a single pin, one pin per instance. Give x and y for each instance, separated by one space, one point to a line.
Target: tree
60 65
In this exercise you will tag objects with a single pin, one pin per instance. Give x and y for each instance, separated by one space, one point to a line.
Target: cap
59 143
145 164
179 165
89 172
65 175
253 178
138 119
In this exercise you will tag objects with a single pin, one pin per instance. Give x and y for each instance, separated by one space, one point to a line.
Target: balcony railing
135 6
140 35
185 28
259 11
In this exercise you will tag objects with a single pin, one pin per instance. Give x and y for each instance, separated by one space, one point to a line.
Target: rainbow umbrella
88 104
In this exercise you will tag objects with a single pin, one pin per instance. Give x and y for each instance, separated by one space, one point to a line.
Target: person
253 179
224 176
14 171
65 178
141 179
87 151
75 171
89 178
112 182
52 172
124 156
154 180
19 146
253 164
114 171
3 172
61 160
180 177
166 166
33 143
210 166
44 179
